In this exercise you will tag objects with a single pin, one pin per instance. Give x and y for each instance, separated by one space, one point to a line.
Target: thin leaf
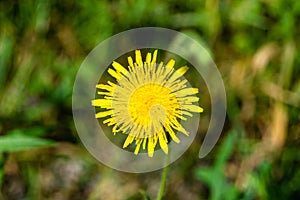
21 142
145 195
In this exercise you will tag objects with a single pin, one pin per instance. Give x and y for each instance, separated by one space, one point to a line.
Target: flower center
150 103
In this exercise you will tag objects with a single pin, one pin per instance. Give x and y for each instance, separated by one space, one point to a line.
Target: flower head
147 101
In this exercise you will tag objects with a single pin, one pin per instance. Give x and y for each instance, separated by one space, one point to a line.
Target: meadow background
255 44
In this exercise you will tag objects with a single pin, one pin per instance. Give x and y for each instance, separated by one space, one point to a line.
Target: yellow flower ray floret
147 101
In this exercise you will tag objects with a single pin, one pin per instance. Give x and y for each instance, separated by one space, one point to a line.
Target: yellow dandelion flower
147 101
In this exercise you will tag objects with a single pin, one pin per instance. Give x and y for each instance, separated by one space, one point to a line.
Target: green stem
163 183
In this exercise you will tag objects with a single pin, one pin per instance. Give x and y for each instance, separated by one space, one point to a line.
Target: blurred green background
255 44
